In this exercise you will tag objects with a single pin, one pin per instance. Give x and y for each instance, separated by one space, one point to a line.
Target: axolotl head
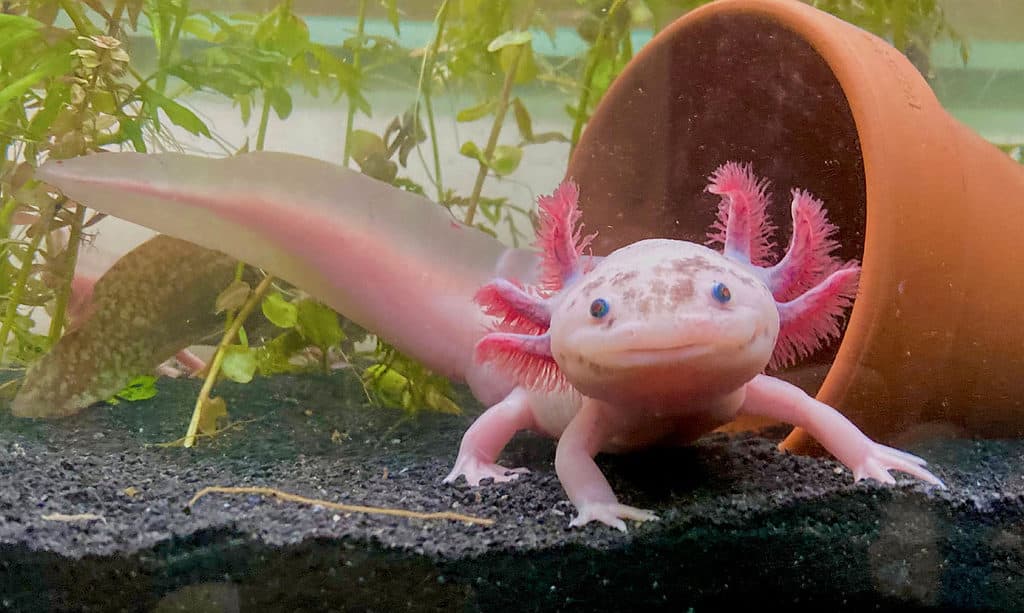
663 323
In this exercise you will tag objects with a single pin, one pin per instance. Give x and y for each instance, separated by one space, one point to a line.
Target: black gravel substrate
742 525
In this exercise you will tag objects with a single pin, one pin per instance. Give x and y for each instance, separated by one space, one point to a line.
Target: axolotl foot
611 514
877 460
476 470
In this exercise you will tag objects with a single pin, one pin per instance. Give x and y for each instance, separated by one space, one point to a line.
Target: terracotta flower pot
934 212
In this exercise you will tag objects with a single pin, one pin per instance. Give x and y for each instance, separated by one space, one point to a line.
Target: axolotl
662 341
656 343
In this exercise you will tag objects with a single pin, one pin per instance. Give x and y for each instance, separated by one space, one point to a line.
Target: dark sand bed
741 524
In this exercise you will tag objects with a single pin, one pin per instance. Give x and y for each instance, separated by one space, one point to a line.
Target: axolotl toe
659 343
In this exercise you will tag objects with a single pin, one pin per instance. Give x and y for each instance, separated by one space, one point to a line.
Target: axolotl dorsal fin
391 261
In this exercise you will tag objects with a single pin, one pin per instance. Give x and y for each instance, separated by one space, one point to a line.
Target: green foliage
142 387
256 59
67 91
395 380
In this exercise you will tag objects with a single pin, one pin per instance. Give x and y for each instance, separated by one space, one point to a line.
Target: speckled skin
667 363
152 302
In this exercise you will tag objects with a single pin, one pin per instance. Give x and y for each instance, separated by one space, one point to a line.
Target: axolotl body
656 343
662 341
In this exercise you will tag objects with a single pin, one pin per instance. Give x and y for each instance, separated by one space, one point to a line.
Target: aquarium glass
482 305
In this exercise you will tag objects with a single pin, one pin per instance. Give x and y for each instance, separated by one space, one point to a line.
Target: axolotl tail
392 261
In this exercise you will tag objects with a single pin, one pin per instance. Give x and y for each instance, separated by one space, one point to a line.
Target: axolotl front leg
483 442
770 397
582 480
582 432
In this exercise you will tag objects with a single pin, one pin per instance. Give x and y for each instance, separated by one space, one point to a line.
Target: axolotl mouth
636 345
697 355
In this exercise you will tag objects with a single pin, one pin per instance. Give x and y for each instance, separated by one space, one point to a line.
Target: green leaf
470 150
178 114
18 21
15 40
523 120
213 413
318 324
244 107
392 6
133 131
364 145
104 102
140 388
56 98
239 363
273 357
50 68
510 38
292 36
390 385
549 137
281 101
476 112
506 159
526 70
279 311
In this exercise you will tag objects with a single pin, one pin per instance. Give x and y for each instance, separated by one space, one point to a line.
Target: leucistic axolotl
370 250
664 340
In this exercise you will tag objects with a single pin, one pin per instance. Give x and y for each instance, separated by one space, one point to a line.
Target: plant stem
218 357
169 45
77 17
70 261
492 140
113 26
234 321
588 76
261 135
14 299
425 87
351 113
499 120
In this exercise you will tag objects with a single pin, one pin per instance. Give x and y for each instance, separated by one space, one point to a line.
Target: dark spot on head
688 265
592 285
624 277
681 291
658 288
645 306
749 281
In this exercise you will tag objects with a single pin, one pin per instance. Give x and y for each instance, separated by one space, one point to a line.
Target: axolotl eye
599 308
719 291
